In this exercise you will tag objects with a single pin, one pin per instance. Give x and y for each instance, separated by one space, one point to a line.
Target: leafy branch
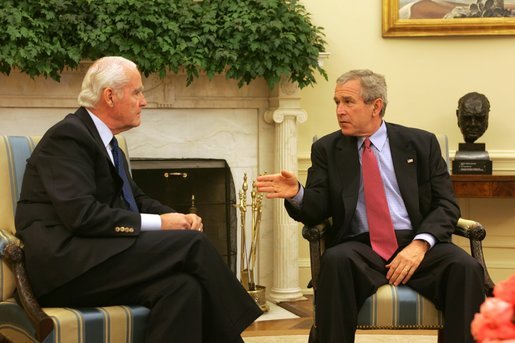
243 39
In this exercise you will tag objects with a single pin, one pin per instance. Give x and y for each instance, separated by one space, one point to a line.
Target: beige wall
426 77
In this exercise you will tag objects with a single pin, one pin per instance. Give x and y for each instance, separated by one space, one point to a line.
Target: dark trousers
350 272
192 294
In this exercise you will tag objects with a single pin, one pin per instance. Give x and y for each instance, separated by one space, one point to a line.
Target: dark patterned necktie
380 226
126 189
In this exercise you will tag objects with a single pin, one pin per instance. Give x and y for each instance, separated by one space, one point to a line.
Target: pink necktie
382 234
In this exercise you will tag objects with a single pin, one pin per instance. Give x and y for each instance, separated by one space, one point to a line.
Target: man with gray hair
93 238
389 194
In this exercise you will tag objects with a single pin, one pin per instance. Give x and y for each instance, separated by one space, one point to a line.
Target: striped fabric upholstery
398 308
99 324
14 152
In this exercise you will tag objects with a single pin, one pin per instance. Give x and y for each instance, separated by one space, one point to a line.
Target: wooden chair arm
315 236
315 233
475 232
44 325
470 229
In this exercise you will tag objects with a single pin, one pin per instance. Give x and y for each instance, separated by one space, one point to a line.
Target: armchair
391 307
21 317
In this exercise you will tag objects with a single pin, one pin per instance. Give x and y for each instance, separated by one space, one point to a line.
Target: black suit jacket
71 215
334 178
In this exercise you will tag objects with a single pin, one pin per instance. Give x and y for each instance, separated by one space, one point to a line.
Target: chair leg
441 338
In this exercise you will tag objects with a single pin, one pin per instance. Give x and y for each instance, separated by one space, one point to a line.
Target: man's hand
283 185
180 221
406 262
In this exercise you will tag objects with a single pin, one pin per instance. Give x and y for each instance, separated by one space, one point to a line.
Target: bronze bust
472 113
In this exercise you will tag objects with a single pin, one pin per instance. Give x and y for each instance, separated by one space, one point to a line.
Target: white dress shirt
149 222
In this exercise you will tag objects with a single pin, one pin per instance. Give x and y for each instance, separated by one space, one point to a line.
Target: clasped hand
181 221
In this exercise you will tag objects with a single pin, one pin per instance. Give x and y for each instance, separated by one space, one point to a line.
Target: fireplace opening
203 186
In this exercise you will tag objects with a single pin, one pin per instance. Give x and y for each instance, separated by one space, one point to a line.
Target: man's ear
107 96
378 106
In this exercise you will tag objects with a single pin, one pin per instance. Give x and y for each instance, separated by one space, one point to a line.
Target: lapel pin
410 160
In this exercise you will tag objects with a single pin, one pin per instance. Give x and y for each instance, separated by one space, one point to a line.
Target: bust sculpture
472 158
472 113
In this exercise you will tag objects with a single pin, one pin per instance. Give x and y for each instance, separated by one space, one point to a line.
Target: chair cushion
401 308
98 324
94 324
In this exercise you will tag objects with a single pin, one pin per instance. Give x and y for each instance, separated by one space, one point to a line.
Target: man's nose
340 109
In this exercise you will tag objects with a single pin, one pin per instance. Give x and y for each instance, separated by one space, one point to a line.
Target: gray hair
373 86
105 72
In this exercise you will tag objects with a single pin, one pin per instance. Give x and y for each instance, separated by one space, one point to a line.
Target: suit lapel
405 161
85 118
348 169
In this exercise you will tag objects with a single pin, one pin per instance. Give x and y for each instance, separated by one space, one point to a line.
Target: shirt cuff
296 201
429 238
150 222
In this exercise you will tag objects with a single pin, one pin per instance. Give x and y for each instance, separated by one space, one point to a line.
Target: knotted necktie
382 234
118 163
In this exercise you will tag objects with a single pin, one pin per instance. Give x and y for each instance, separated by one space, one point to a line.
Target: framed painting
418 18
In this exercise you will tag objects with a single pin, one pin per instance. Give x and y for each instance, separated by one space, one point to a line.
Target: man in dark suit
420 207
90 241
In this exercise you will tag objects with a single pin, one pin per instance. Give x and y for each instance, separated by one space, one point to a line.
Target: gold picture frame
394 26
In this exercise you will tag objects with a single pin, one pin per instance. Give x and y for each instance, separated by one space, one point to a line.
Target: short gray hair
373 86
105 72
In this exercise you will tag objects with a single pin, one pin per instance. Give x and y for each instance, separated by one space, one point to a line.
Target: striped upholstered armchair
399 308
21 318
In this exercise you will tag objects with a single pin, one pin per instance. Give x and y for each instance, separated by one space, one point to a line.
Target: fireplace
202 186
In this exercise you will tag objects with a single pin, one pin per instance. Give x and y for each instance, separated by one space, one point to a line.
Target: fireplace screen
203 186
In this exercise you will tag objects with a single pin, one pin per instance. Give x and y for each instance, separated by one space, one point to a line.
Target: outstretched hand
282 185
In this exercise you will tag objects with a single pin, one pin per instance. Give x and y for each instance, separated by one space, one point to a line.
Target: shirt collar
105 133
378 139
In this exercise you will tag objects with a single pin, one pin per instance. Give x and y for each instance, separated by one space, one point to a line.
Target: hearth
204 186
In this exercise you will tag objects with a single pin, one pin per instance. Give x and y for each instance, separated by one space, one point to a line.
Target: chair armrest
315 236
470 229
315 233
13 253
475 232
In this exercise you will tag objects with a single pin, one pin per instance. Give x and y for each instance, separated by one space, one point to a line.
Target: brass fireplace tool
248 259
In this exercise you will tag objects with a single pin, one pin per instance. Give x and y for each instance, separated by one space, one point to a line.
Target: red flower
495 322
506 290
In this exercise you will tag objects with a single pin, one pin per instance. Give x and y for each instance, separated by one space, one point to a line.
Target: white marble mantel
253 128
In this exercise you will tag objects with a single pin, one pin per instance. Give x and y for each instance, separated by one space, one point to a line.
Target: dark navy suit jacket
334 178
71 215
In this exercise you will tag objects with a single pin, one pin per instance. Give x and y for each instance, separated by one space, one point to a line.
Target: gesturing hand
283 185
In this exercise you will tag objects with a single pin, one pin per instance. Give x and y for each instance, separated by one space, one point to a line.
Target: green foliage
245 39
